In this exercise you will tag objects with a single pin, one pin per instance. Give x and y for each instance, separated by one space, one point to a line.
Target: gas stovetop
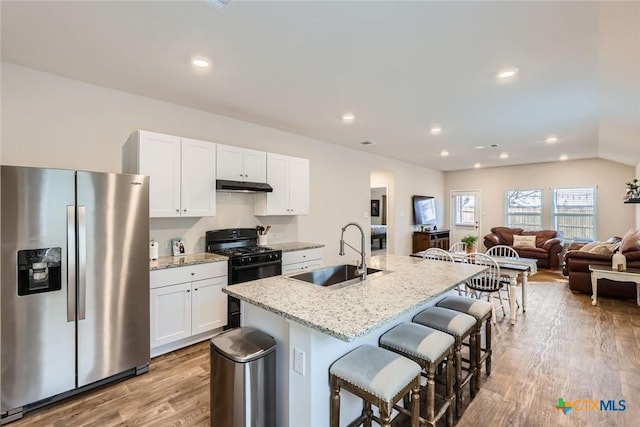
245 250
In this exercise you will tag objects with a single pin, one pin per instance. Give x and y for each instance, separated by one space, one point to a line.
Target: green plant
469 240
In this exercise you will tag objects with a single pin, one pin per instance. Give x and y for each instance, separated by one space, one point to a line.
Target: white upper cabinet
182 174
289 177
241 164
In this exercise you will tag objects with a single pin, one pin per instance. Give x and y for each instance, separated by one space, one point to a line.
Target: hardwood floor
561 347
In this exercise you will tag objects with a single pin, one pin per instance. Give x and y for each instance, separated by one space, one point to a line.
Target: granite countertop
185 260
357 309
294 246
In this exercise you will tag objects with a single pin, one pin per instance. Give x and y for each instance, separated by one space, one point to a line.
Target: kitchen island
314 325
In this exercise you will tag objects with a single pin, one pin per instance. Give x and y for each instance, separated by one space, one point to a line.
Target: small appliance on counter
153 250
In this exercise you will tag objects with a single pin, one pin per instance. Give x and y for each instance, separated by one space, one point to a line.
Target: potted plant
470 242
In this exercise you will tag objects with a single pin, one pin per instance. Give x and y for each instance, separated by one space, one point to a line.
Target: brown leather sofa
549 244
576 267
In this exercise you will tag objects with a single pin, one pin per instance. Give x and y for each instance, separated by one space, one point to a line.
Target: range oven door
247 273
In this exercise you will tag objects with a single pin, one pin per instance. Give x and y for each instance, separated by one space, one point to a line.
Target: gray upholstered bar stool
428 348
379 377
481 311
460 326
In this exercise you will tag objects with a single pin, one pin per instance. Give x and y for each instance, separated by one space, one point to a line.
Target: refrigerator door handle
82 262
71 263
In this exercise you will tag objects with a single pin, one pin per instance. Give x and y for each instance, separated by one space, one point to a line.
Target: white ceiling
398 66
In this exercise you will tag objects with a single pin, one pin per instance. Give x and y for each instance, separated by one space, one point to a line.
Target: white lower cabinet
300 261
187 305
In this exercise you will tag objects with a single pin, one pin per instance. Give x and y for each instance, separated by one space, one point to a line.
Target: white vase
618 262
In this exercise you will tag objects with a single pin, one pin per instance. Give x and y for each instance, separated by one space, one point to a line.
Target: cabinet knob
193 274
195 289
241 175
178 210
246 176
185 210
188 290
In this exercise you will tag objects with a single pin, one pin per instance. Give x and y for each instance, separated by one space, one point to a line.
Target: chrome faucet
362 268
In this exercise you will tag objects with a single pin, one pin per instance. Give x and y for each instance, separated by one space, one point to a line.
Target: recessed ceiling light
504 155
200 63
564 157
552 139
494 146
368 143
479 147
477 165
444 153
348 118
435 130
507 73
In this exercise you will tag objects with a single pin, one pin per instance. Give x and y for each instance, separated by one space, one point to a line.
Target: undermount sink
336 276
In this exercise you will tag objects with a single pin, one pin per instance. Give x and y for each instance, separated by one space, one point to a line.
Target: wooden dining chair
458 247
503 251
488 284
442 255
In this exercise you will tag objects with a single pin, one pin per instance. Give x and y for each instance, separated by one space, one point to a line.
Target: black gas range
247 261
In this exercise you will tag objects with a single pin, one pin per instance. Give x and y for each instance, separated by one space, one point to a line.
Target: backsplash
233 210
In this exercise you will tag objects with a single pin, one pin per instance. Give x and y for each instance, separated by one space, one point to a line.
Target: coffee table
606 272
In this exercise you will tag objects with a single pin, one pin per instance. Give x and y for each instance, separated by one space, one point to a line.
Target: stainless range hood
241 186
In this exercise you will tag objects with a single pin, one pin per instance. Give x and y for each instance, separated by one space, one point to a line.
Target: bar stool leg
335 402
473 367
431 390
366 413
449 390
458 369
488 346
415 405
385 414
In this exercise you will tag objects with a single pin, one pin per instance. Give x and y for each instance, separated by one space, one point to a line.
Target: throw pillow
589 246
603 249
630 241
524 241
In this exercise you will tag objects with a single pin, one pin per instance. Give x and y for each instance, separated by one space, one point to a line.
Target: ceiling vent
216 4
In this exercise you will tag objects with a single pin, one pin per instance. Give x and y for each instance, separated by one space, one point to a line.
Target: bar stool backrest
458 247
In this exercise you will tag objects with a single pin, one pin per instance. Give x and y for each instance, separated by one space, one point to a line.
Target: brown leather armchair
576 267
549 244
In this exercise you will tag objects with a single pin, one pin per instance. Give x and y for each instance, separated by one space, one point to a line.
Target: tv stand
423 240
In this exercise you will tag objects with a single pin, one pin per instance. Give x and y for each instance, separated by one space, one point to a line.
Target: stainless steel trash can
243 379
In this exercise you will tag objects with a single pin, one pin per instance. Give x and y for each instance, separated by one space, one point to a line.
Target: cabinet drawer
171 276
300 256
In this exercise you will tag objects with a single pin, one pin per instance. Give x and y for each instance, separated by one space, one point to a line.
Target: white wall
613 216
638 206
50 121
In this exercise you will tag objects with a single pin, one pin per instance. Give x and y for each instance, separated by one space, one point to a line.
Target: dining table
517 270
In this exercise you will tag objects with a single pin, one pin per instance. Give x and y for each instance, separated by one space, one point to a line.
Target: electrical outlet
278 236
298 361
366 214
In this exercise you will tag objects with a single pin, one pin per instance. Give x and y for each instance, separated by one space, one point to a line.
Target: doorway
379 226
465 215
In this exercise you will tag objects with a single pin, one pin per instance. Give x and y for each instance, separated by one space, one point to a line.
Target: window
574 212
465 209
523 209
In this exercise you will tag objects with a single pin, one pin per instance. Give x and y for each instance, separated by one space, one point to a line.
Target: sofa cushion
524 241
601 248
541 236
630 241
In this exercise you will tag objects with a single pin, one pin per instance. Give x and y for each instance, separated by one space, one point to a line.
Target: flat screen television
424 210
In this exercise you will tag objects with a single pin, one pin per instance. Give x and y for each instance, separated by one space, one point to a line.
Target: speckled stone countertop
357 309
294 246
185 260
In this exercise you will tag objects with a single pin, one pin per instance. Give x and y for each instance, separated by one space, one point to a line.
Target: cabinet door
159 157
209 304
198 178
229 163
298 186
278 178
255 166
297 267
170 314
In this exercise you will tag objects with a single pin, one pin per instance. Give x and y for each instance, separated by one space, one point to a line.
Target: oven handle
262 264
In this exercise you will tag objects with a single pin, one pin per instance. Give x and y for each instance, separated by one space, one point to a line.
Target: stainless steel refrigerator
75 283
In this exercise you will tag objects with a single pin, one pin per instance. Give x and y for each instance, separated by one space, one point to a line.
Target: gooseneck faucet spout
362 268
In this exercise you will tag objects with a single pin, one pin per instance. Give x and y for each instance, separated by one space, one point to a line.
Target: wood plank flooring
561 347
